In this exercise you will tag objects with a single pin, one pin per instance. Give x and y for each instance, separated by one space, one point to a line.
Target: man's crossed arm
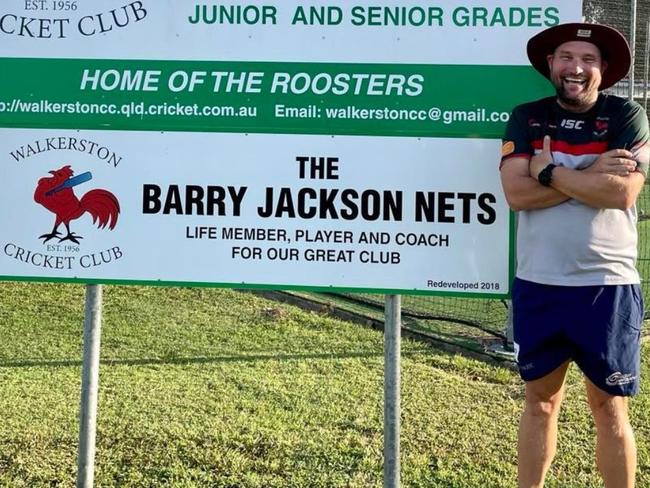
610 182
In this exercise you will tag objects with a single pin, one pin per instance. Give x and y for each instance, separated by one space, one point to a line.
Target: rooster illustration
55 194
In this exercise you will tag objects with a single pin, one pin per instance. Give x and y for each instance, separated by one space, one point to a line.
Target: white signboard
282 144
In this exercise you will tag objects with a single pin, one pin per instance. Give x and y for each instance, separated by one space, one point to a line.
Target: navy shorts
599 327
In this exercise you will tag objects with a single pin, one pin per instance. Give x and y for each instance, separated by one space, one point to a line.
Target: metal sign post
646 81
89 387
632 78
392 344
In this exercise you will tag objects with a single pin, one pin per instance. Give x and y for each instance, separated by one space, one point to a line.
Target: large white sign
266 209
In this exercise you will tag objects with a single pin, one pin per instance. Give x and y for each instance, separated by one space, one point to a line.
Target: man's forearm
598 190
526 193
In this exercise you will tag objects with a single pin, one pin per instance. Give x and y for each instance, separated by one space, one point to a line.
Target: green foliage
215 388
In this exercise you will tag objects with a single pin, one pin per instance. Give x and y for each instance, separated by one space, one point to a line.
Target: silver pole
89 387
392 345
509 332
646 81
633 48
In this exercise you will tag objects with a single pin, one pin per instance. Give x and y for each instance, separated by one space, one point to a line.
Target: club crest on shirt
601 126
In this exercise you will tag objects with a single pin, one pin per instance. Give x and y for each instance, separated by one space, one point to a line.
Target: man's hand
618 162
540 161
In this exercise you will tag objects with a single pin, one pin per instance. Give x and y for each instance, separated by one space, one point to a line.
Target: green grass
215 388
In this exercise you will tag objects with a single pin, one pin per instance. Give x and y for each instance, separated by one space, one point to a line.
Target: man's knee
543 407
609 412
544 396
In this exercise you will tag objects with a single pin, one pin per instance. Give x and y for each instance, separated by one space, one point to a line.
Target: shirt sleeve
516 141
634 135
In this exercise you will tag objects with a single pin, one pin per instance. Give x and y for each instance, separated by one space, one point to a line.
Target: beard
582 100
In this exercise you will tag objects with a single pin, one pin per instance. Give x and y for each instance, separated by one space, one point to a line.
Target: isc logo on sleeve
572 124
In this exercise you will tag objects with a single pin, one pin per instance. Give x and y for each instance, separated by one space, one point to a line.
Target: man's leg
538 427
615 446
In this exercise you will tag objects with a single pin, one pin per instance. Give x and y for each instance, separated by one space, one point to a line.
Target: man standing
573 166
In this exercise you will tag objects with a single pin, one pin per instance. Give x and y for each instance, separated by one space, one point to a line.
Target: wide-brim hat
613 48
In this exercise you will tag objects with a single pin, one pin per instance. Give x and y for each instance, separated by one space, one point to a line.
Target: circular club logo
67 213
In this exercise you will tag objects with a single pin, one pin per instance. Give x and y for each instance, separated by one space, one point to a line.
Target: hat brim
614 48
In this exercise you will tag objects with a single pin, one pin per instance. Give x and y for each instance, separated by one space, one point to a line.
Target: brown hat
613 48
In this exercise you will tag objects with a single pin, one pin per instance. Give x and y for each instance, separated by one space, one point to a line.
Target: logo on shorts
620 379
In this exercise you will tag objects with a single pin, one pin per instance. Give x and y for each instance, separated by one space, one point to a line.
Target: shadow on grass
64 363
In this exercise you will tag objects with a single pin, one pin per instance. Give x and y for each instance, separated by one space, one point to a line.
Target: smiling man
572 168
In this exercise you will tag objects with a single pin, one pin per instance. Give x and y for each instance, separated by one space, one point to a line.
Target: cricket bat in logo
71 182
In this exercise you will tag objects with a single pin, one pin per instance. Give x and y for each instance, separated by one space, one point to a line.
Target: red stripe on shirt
574 149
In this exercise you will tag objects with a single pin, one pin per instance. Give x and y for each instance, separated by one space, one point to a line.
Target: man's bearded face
576 72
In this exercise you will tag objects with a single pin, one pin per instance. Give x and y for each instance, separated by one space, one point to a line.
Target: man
573 166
